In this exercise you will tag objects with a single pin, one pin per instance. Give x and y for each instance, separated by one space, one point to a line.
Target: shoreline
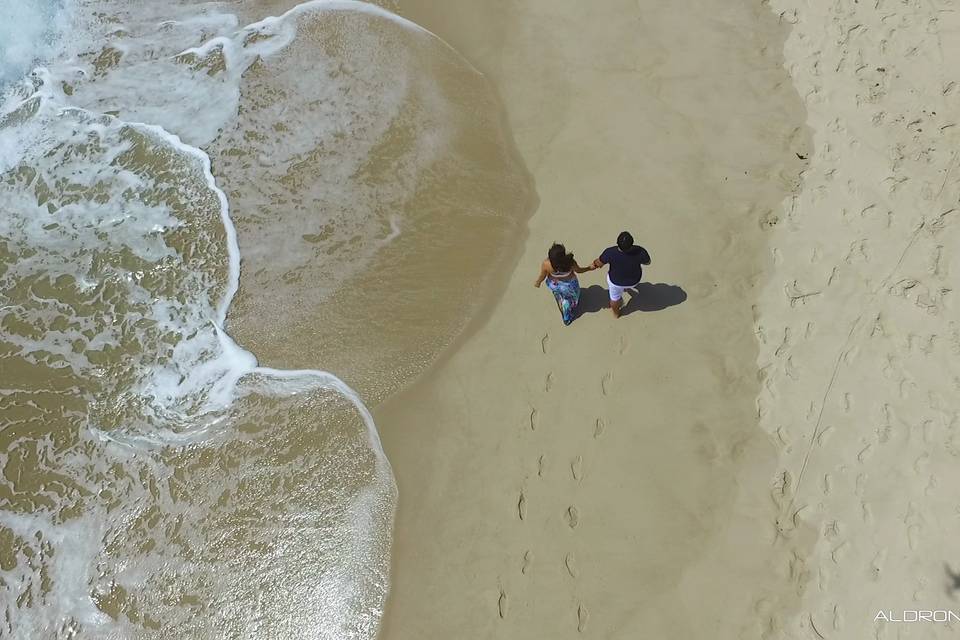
521 456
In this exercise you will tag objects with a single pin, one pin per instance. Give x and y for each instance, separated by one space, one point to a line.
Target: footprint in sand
534 415
570 562
605 383
839 552
781 488
837 617
541 465
582 617
624 345
522 506
573 516
576 468
824 435
548 382
830 279
599 428
545 342
503 603
831 530
527 561
790 369
783 438
913 535
876 566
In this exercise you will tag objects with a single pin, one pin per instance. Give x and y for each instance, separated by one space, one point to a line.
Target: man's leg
616 297
615 307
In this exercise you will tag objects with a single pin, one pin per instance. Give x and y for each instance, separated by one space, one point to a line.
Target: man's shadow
645 296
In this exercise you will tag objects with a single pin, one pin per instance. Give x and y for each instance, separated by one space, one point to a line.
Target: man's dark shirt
625 268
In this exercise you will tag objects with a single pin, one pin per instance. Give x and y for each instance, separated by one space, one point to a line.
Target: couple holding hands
560 271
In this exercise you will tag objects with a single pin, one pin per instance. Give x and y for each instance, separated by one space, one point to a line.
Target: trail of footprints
571 516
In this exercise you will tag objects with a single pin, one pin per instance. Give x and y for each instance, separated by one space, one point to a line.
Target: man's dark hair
625 241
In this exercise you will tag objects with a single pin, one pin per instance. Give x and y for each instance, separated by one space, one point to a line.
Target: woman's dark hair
560 260
625 241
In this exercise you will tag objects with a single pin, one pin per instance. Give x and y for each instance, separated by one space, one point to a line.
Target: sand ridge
858 323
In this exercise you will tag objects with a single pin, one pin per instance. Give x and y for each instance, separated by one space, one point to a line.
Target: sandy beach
273 364
610 477
763 446
857 330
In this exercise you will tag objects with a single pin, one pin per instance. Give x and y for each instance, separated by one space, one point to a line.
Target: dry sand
609 477
774 456
858 323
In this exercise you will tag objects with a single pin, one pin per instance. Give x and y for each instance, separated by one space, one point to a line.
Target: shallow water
179 179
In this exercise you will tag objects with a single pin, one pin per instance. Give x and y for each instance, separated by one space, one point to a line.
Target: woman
560 271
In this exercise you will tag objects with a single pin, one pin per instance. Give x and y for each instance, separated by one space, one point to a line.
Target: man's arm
644 256
596 264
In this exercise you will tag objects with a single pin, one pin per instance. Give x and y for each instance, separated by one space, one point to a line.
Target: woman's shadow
646 296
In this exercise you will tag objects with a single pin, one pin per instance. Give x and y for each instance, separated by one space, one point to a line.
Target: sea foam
30 33
123 261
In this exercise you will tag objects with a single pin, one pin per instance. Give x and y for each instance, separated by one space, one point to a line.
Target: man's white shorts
616 291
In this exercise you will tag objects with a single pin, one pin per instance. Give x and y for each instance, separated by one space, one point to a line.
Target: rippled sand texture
608 479
858 324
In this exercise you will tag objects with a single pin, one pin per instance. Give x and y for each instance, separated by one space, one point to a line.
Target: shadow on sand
647 297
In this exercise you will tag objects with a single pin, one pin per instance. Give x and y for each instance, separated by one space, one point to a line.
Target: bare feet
615 307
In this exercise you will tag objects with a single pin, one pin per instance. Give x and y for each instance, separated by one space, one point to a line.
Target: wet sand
608 478
413 167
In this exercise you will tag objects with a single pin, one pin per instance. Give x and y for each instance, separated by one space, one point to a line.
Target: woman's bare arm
540 278
579 269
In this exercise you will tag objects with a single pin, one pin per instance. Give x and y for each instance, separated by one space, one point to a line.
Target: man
625 271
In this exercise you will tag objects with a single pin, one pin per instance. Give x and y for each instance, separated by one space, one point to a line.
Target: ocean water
188 190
